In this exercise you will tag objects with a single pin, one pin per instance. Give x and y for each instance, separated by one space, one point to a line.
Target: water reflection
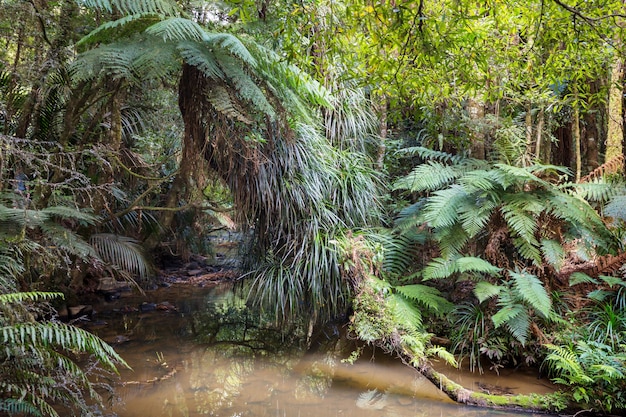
210 356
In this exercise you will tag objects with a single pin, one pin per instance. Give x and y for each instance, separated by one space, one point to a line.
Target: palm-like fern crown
154 37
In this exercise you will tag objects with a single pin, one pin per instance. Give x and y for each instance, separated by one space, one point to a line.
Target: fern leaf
14 406
427 177
177 29
474 264
20 297
553 253
441 209
404 311
223 103
431 154
515 318
427 296
531 290
231 44
612 281
248 88
439 268
118 29
122 252
581 278
485 290
63 336
70 213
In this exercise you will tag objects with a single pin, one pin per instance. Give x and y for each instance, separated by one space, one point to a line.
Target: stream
196 351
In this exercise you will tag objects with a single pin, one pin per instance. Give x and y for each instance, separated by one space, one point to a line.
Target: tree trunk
528 123
383 130
576 136
615 121
476 113
540 122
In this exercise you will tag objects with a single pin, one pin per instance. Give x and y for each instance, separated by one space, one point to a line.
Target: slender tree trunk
615 121
476 111
540 122
382 146
576 136
528 123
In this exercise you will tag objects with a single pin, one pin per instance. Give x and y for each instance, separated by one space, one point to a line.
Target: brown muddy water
188 360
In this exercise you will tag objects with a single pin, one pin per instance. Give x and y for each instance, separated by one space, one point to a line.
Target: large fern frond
177 29
530 289
445 267
404 311
429 176
123 252
426 296
220 99
62 336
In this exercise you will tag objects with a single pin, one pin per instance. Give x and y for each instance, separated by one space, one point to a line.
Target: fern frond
515 317
429 176
430 154
119 29
20 297
62 336
519 326
440 210
427 296
581 278
247 88
18 406
231 44
221 100
177 29
71 213
485 290
122 252
404 311
410 216
445 267
202 58
67 240
596 190
530 289
565 361
553 253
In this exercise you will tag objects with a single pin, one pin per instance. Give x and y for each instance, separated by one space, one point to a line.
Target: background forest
428 168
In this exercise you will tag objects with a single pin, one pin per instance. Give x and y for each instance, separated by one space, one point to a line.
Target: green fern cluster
492 224
595 372
37 362
385 318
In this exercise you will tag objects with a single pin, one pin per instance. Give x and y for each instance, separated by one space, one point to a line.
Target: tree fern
553 253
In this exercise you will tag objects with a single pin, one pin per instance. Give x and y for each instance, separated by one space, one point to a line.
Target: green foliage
594 371
386 320
38 369
123 253
477 196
